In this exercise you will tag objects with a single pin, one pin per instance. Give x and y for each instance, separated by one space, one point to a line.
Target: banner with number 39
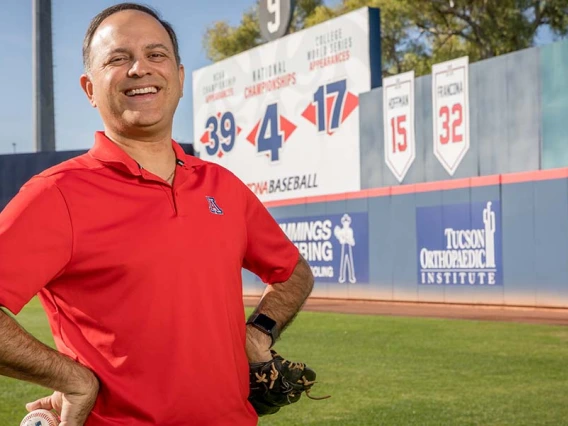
398 118
450 103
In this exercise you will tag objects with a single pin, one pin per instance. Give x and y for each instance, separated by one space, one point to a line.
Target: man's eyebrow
119 50
157 46
147 47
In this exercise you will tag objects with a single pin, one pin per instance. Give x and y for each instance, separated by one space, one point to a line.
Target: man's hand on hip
72 407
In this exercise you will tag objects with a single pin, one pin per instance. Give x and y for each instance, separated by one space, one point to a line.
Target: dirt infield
435 310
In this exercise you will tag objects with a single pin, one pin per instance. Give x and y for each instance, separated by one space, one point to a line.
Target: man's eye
157 55
117 59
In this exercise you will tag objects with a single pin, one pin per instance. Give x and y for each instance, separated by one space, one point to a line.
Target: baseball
40 418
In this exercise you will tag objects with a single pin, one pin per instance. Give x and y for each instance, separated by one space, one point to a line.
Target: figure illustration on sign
347 241
489 221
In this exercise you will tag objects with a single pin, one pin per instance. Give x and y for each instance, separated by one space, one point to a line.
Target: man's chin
141 129
142 121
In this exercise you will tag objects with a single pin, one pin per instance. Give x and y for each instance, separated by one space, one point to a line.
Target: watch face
266 325
265 322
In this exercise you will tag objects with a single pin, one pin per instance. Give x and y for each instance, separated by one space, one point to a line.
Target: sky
75 120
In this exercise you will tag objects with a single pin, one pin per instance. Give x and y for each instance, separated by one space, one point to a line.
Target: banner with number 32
450 103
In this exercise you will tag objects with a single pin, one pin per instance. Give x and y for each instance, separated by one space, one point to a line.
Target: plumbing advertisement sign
336 246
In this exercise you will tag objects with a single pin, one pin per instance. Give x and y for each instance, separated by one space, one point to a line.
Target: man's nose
140 67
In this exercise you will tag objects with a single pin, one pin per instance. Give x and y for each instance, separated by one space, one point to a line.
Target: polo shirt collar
110 153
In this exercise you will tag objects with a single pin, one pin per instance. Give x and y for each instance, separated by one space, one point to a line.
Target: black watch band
265 324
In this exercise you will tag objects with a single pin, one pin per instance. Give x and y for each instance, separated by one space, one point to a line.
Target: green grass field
400 371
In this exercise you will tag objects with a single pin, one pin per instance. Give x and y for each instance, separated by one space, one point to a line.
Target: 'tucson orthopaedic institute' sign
335 246
460 244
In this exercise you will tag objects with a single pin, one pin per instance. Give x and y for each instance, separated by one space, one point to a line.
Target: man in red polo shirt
136 251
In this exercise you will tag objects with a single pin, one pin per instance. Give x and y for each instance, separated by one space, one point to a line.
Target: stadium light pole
42 62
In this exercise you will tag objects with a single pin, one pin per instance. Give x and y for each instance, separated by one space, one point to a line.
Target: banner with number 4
450 106
398 118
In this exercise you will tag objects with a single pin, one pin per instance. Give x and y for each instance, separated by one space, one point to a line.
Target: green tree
222 41
416 34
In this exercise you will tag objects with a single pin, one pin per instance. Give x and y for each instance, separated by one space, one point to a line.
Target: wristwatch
265 324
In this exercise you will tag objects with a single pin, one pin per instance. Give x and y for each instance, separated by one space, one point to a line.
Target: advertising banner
460 244
335 246
284 117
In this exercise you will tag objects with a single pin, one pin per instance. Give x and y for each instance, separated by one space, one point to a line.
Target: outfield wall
17 169
505 125
533 234
518 111
554 86
516 161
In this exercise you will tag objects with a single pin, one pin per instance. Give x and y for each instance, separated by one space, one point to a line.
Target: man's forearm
25 358
282 301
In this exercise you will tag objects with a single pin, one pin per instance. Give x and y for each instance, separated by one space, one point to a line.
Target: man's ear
181 73
87 87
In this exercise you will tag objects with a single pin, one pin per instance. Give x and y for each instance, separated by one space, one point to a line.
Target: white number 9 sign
275 17
274 8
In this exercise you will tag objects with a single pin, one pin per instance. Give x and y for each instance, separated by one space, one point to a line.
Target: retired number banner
398 118
450 88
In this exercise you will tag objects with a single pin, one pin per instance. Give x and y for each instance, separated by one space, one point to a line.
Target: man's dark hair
97 20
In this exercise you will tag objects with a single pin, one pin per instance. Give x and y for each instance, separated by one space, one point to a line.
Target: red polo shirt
141 281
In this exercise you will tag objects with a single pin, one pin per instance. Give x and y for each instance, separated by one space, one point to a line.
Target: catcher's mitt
279 382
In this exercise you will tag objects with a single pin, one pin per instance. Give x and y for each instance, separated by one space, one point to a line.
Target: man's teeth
142 91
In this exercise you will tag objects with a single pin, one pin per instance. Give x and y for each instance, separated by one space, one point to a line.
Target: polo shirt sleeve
35 242
269 253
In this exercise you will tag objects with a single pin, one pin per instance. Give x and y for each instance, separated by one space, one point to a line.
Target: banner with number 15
398 118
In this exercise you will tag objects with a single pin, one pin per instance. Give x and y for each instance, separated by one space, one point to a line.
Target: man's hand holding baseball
25 358
73 406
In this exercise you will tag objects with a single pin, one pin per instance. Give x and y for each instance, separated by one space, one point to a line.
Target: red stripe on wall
486 180
535 176
443 185
379 192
